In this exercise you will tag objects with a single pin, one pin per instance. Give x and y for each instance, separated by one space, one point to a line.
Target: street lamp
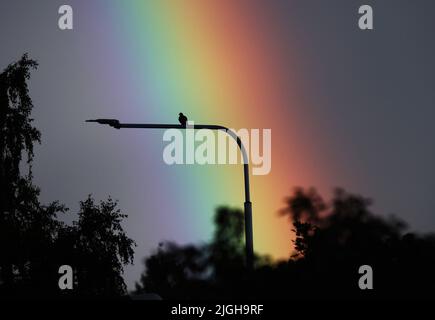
249 247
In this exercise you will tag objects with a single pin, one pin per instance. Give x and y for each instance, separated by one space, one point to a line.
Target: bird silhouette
182 118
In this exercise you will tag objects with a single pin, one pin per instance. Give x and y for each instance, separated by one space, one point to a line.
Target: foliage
34 243
332 240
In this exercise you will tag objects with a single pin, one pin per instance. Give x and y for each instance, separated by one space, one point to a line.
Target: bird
183 119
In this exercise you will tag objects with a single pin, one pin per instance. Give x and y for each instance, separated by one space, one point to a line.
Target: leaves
17 132
33 241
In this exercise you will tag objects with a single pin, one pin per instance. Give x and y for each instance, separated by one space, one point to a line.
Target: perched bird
183 119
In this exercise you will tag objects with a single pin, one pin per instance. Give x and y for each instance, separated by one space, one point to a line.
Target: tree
200 272
34 243
17 135
334 239
101 249
227 254
174 271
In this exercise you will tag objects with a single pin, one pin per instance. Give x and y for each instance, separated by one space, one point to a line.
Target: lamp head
111 122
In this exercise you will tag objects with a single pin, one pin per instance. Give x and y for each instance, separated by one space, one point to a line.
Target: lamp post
249 247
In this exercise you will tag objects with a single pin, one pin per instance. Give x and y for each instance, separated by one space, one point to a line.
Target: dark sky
373 92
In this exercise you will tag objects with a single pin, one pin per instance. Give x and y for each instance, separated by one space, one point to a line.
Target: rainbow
219 62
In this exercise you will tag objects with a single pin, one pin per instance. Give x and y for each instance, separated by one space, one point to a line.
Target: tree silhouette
101 249
18 196
174 272
204 271
332 240
33 242
227 253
